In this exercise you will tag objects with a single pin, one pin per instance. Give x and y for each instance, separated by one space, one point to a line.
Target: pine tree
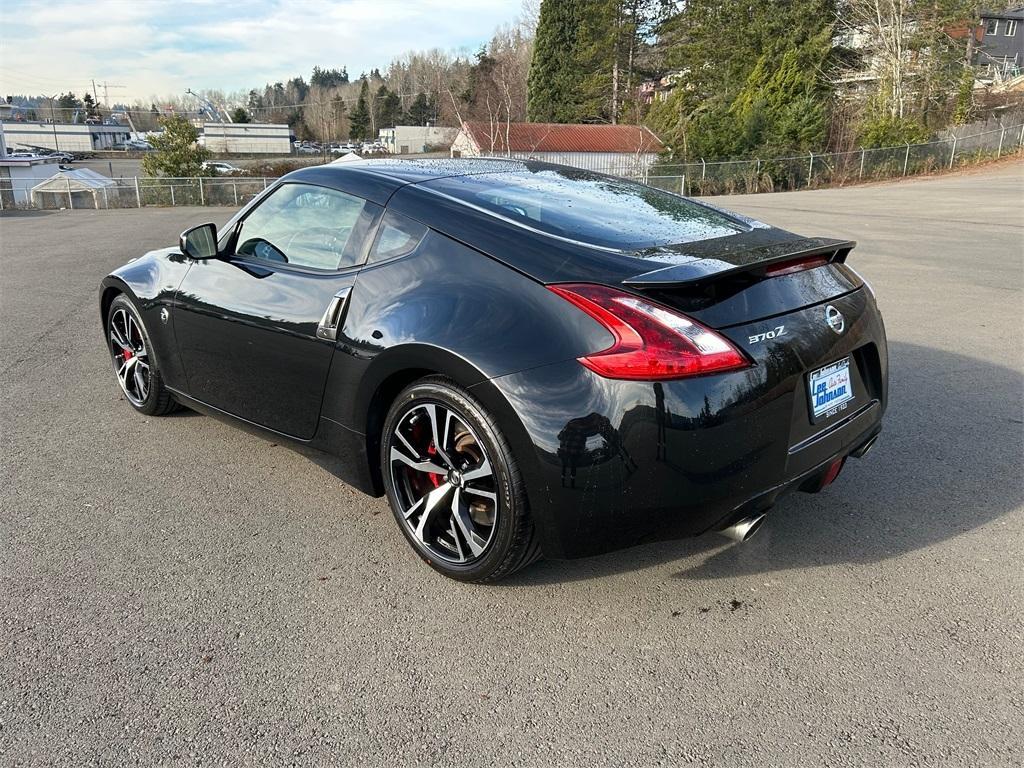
420 112
753 77
359 117
555 75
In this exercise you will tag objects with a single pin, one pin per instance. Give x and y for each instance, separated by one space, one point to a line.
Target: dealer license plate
830 388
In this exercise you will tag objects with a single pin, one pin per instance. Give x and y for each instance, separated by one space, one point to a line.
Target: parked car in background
63 157
524 358
221 168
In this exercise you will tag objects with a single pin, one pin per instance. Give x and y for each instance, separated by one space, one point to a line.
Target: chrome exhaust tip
862 451
744 529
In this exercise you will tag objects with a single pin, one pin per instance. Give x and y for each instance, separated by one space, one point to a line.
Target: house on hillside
1001 48
622 150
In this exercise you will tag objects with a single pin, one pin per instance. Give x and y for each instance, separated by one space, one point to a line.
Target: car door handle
328 327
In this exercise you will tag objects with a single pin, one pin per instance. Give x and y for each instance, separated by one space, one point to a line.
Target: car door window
304 226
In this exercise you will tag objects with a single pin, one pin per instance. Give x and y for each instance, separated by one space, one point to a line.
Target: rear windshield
593 209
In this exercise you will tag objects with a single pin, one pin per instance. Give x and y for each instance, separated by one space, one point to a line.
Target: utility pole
53 124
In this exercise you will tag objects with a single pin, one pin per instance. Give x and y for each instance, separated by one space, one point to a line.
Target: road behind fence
703 177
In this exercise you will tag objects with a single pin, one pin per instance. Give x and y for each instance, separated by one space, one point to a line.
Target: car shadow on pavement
948 461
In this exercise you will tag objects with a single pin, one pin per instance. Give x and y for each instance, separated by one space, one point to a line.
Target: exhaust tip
863 450
744 529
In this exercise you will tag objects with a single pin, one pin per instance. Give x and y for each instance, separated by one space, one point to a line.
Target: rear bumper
609 464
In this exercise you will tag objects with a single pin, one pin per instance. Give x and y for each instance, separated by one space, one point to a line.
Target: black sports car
526 358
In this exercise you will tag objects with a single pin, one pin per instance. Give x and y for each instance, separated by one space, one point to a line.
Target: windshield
589 208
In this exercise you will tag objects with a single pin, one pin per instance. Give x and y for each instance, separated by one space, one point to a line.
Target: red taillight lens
651 342
797 265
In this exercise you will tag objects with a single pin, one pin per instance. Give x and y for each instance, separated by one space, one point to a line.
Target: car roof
377 179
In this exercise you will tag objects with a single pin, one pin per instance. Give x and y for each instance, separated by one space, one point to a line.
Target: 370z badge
774 333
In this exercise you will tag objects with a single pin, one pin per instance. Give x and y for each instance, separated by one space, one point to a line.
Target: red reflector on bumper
833 472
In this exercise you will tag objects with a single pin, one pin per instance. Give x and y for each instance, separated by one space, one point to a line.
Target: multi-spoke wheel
134 363
453 485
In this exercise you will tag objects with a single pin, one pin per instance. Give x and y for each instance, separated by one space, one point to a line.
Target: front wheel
135 366
453 484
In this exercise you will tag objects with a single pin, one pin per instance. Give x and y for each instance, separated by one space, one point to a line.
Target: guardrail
701 177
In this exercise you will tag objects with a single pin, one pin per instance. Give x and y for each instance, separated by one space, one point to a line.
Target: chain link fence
720 177
724 177
66 191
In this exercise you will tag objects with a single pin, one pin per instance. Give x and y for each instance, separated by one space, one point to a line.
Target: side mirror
199 242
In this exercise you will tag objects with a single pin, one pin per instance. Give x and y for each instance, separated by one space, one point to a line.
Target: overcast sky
161 47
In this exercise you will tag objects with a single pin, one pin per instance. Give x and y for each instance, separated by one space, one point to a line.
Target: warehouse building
66 137
247 138
416 139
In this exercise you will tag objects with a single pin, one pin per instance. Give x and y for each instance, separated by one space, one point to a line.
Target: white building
66 137
621 150
416 139
18 175
248 138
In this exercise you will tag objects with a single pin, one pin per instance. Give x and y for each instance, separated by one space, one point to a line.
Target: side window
991 26
303 225
398 236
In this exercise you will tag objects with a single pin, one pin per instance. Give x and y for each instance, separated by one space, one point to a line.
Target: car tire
131 349
478 526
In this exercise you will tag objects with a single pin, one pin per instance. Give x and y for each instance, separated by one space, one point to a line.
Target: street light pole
53 123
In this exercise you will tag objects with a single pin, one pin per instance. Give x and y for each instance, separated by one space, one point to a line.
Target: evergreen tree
753 77
239 115
387 108
176 152
359 117
420 111
555 74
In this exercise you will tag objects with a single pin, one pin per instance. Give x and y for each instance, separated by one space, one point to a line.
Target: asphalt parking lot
177 591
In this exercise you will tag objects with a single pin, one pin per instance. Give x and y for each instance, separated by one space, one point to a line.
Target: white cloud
162 48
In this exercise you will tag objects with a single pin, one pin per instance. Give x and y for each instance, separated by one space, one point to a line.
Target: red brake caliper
128 354
435 478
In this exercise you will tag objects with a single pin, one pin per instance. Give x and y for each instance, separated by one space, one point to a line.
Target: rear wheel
453 484
134 363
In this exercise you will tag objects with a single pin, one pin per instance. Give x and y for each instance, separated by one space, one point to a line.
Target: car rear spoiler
757 260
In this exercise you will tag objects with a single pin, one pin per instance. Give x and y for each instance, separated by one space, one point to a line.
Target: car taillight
651 342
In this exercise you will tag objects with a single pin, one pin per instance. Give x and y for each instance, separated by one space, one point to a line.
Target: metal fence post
953 153
264 182
862 153
999 152
234 188
71 203
810 171
138 193
758 171
703 169
906 159
202 195
171 185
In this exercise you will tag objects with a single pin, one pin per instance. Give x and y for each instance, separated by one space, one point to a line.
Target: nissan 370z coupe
525 358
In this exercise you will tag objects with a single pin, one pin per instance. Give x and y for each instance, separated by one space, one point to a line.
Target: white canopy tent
80 188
